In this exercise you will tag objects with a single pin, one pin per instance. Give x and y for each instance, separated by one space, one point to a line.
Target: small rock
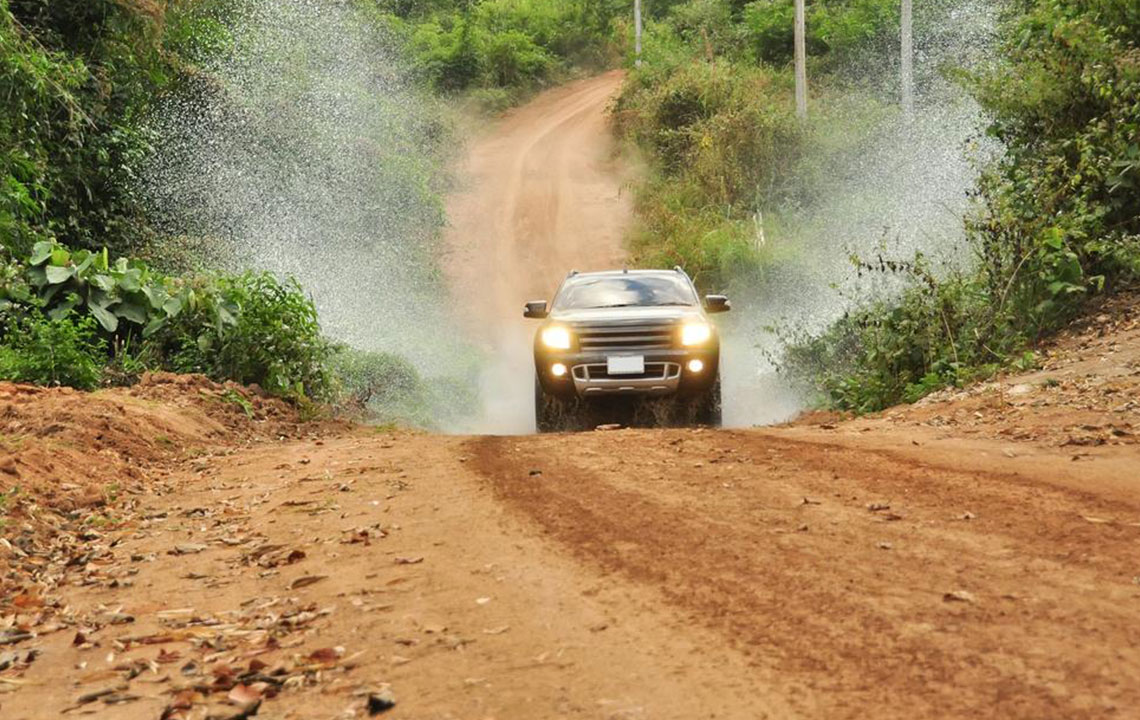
884 545
381 701
959 596
187 549
877 506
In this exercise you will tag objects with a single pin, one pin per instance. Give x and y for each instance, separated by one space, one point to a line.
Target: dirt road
974 556
541 193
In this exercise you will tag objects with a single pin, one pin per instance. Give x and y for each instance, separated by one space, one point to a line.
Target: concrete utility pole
908 58
801 61
637 31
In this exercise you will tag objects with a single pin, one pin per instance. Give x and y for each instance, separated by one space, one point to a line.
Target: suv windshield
625 291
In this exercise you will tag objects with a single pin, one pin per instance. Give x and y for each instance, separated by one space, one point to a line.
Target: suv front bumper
667 373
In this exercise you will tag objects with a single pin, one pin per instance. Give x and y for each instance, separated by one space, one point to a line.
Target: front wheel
552 413
706 407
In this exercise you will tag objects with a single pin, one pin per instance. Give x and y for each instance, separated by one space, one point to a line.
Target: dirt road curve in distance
540 194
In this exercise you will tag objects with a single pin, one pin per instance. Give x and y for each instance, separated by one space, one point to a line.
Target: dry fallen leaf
167 657
243 695
959 596
409 560
326 656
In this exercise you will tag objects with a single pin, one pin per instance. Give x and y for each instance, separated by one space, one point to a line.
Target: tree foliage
1059 216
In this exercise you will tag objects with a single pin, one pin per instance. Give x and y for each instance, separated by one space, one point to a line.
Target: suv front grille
653 371
625 338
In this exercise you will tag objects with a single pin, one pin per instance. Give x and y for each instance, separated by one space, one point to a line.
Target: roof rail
678 268
572 273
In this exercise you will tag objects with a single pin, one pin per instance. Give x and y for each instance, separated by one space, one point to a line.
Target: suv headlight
556 337
695 333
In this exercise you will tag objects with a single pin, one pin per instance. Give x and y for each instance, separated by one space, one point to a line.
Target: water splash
304 147
901 188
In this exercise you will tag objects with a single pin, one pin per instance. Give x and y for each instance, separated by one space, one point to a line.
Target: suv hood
627 314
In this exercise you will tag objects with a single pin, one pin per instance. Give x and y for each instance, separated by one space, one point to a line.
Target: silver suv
626 333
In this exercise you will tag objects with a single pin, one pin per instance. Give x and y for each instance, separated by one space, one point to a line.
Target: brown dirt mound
73 463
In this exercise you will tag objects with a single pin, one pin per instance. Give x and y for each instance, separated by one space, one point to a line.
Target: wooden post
801 61
637 31
908 57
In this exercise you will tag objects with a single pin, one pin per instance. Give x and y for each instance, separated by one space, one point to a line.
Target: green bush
383 386
504 44
514 59
64 351
835 28
250 328
720 136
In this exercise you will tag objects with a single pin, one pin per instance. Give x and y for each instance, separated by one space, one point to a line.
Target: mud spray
903 190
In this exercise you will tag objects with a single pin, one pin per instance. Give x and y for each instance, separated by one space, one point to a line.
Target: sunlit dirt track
540 193
975 556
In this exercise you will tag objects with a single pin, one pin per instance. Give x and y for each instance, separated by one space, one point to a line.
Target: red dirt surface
897 567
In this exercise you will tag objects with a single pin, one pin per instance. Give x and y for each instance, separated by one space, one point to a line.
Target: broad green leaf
100 298
172 307
106 318
131 280
37 277
63 309
155 295
106 283
60 256
225 317
41 251
56 274
1054 238
83 260
135 313
154 326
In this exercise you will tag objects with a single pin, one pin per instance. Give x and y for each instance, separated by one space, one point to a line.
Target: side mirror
717 304
535 309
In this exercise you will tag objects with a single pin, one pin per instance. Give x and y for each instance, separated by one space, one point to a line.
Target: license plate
625 364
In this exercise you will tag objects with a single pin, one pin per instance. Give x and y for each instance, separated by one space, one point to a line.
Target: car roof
620 273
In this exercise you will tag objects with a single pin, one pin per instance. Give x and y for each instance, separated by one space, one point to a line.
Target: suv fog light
695 366
557 369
